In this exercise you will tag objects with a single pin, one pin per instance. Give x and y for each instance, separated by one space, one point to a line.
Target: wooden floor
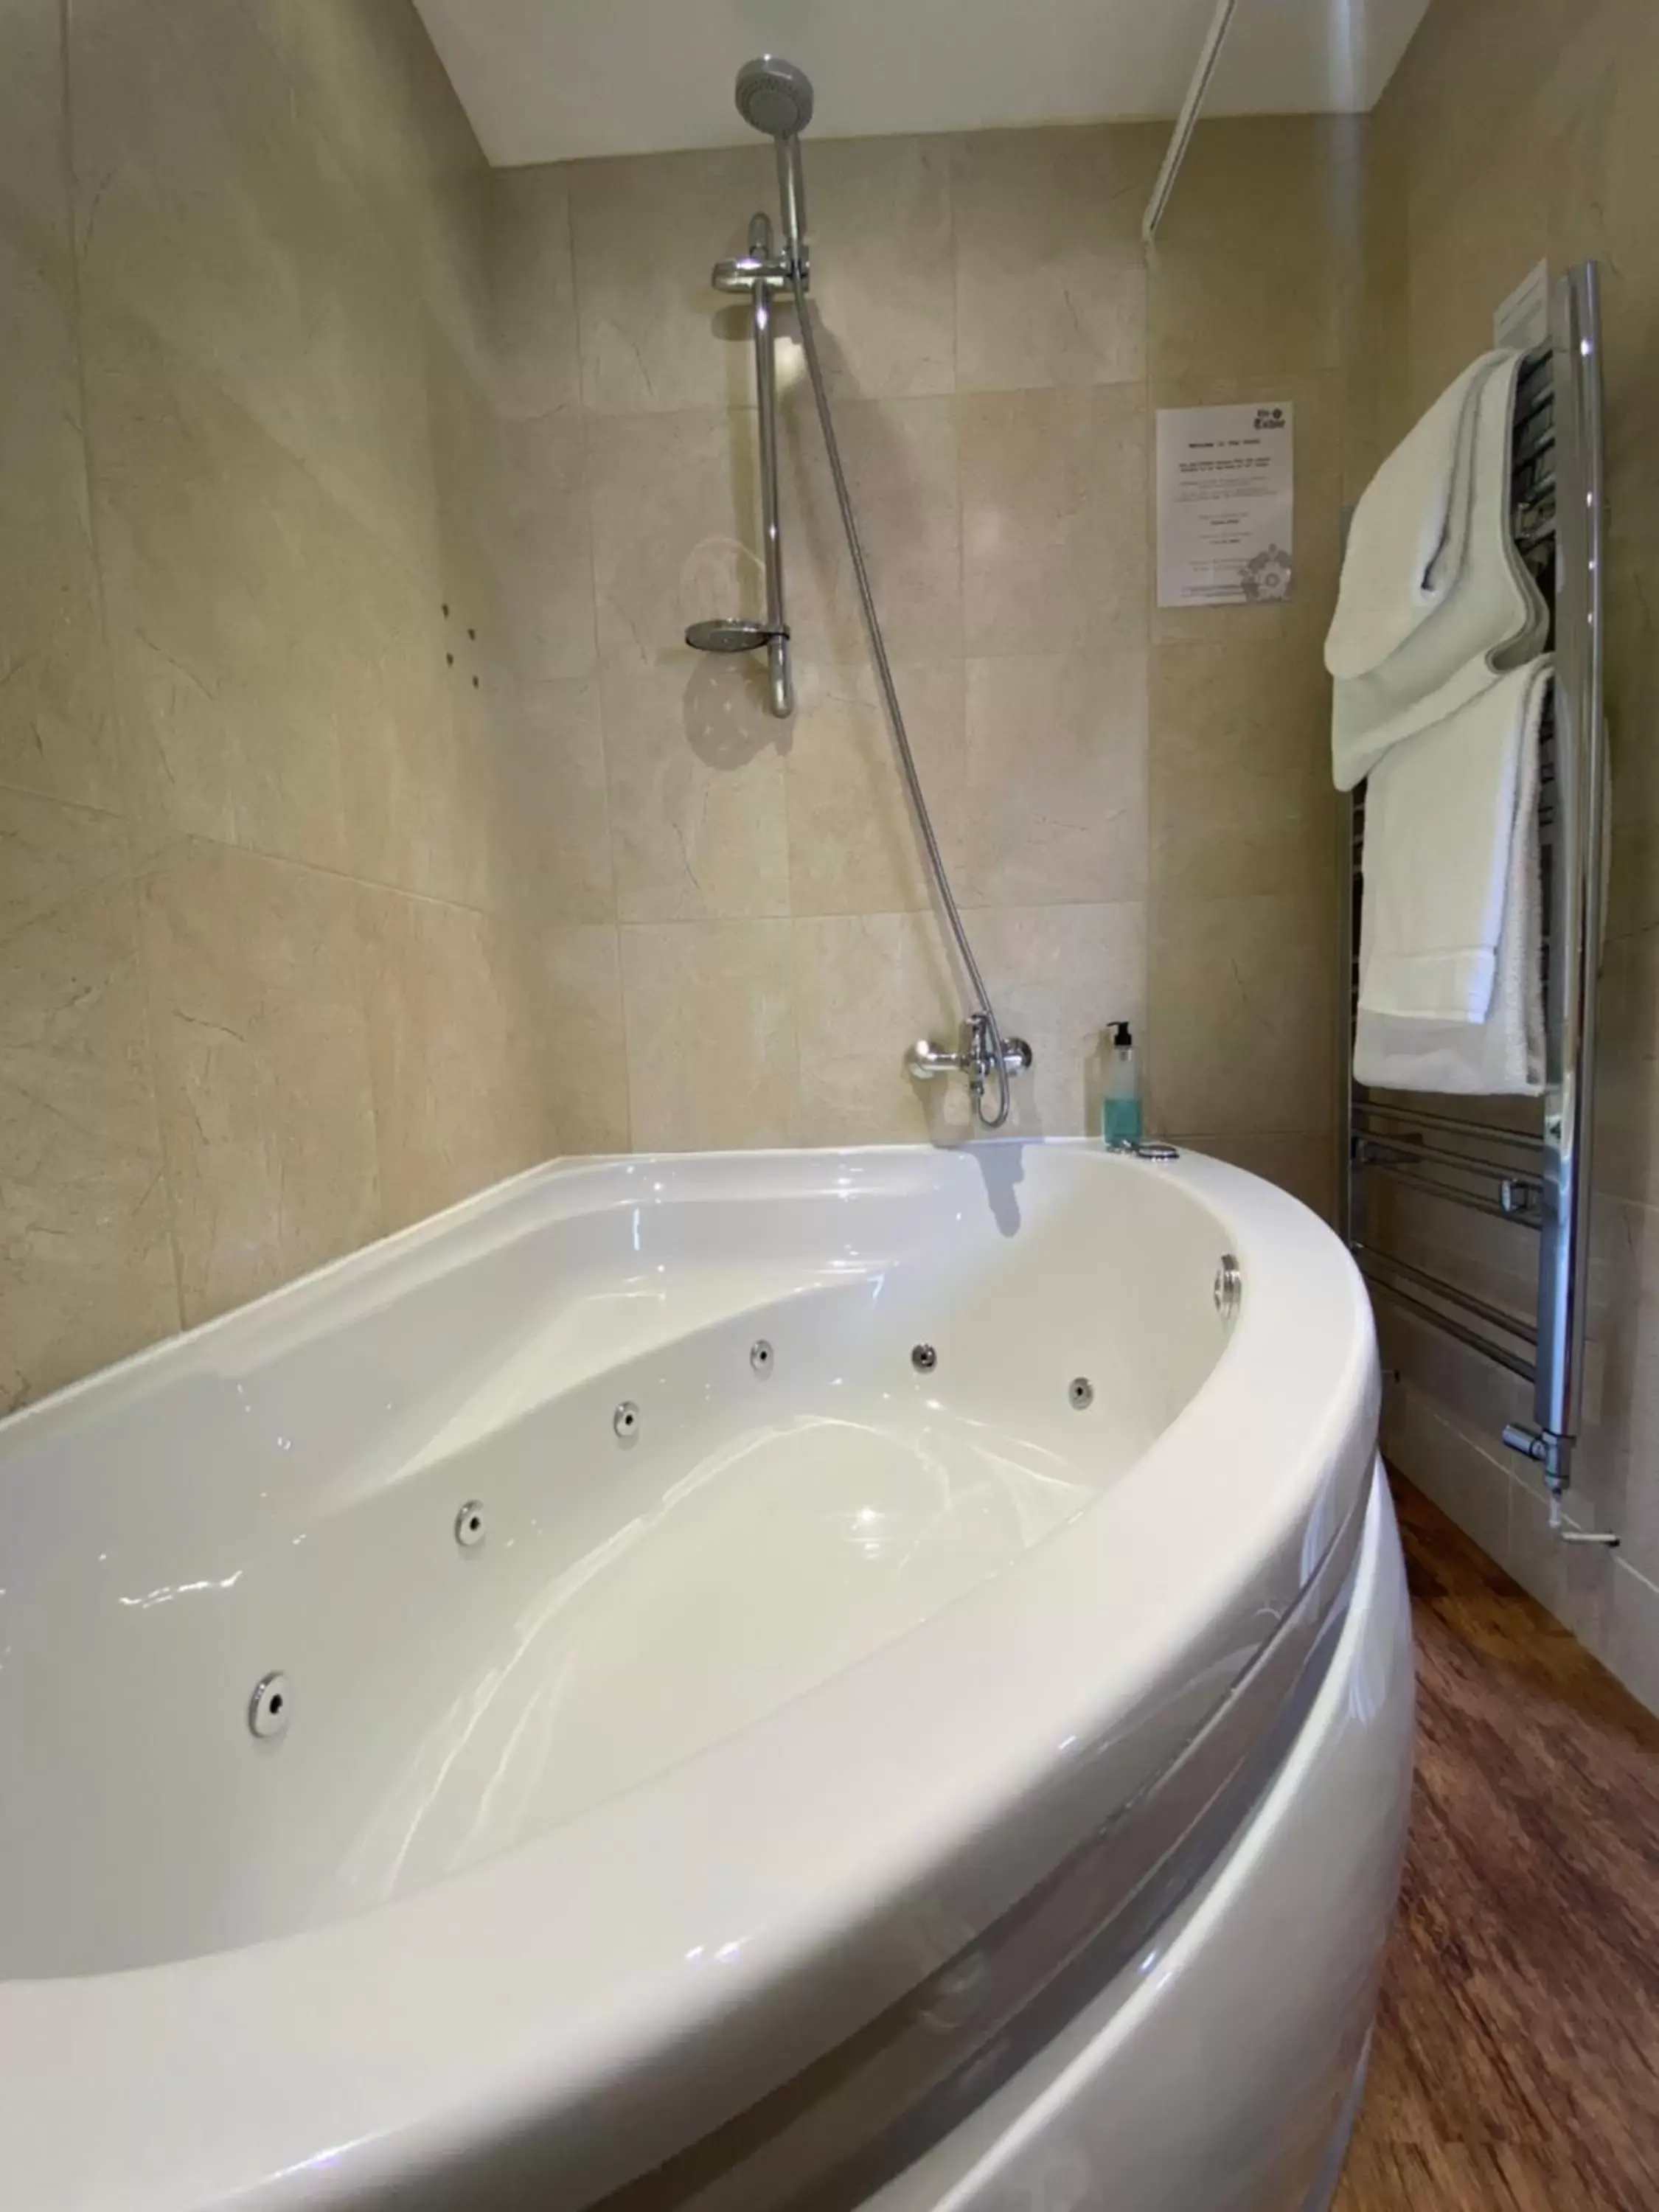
1516 2060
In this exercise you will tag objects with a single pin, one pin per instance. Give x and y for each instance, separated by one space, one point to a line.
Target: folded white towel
1450 992
1406 540
1472 610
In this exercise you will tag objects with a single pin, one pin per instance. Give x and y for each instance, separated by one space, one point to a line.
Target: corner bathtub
722 1757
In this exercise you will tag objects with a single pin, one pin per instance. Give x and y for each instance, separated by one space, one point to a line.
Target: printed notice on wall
1225 494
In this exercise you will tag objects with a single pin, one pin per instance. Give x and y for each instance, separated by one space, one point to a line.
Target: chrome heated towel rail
1531 1172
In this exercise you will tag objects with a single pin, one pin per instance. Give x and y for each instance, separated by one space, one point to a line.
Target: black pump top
1121 1038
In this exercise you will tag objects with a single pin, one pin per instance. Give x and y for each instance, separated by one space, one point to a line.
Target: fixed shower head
737 634
774 97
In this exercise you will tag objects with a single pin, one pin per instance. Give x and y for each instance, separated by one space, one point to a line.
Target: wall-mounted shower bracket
744 271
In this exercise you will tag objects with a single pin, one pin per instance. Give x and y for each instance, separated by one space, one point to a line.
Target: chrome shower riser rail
760 276
780 681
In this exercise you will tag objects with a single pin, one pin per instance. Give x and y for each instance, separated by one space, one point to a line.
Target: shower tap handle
975 1059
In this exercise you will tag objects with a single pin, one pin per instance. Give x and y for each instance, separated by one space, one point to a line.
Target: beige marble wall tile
418 798
1248 271
537 362
365 76
1626 1142
512 524
1304 1166
865 986
882 283
697 812
575 986
540 550
710 1018
1463 78
86 1256
854 846
1464 1387
1605 208
1051 275
1056 779
551 858
1242 799
1612 1486
1242 992
655 337
232 583
1058 975
901 460
1054 494
255 1012
1632 689
457 1105
57 723
676 534
209 205
1632 1645
1466 258
1446 1464
32 194
469 495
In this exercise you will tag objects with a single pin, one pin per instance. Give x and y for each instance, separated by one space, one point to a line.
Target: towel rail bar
1376 1142
1558 524
1370 1256
1492 1131
1500 1354
1455 1192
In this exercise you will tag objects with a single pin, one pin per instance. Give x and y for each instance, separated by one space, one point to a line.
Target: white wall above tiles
547 82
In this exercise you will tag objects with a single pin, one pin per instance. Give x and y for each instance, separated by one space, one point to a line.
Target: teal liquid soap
1120 1121
1120 1106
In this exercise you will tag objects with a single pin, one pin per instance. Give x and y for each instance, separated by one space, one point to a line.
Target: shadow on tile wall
368 832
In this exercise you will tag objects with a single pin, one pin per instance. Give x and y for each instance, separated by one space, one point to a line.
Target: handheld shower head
774 97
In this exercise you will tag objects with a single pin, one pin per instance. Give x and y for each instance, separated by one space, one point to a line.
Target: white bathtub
840 1780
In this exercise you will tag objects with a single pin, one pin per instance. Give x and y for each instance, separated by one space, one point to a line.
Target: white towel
1450 992
1406 540
1440 630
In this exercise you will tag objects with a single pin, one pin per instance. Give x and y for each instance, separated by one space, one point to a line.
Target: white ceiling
553 80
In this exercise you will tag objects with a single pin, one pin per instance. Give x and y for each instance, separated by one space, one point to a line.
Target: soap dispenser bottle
1120 1108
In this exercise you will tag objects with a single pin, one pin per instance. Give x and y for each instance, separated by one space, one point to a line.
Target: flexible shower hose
896 714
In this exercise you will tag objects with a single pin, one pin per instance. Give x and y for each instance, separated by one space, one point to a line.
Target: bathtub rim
623 2006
